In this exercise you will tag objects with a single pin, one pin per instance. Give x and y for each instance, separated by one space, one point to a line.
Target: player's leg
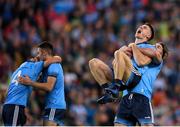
49 123
53 117
13 115
131 76
123 113
120 125
100 71
121 68
128 67
142 110
104 76
148 125
126 76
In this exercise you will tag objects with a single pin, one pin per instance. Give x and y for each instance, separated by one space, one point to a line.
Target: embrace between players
135 67
22 81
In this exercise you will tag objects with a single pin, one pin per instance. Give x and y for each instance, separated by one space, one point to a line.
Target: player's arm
48 86
139 57
54 59
152 53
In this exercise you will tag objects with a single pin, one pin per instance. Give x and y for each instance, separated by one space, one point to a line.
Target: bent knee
118 53
94 62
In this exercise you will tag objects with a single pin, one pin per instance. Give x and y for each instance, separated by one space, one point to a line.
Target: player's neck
137 41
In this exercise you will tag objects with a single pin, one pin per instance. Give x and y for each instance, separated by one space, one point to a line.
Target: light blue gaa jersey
149 74
142 69
55 98
18 93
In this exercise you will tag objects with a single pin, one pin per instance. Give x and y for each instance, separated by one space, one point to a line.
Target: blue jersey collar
143 43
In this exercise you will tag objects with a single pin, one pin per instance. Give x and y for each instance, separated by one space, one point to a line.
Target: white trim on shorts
15 116
152 115
52 114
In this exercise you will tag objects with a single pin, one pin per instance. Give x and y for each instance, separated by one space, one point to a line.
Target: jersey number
14 80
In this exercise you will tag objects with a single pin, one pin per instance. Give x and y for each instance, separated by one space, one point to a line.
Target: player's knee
93 62
118 53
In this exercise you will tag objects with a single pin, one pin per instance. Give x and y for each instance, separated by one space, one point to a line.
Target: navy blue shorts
13 115
55 115
134 109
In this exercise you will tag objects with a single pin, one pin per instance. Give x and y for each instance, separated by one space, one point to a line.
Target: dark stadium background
80 30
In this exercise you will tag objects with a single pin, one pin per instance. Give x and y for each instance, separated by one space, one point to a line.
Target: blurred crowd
80 30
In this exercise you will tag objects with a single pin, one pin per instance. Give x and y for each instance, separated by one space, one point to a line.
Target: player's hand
54 59
131 44
58 58
24 80
34 59
128 52
123 48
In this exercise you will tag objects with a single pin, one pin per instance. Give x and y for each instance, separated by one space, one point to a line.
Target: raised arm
54 59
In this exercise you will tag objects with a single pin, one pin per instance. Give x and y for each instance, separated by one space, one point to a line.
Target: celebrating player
123 67
135 106
53 83
17 96
146 57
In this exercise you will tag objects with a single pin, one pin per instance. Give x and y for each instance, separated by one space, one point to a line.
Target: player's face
143 32
159 48
41 54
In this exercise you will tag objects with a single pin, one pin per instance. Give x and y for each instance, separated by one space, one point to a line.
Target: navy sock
105 85
120 85
119 82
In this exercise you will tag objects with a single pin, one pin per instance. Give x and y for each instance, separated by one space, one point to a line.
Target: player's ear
148 36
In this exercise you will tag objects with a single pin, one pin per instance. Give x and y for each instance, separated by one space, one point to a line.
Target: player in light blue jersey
18 94
143 54
124 69
53 83
135 106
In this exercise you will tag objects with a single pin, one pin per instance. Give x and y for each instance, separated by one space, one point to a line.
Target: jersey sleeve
52 70
38 67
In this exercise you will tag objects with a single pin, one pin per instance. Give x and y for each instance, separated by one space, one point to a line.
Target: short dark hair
152 31
46 46
165 50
